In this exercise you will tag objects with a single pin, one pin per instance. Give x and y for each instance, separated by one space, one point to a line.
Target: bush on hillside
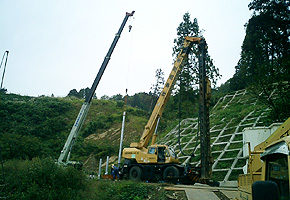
127 190
43 179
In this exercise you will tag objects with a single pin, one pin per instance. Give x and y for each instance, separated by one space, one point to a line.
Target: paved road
205 192
198 194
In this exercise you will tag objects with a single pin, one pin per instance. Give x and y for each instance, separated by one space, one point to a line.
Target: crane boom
65 153
146 162
165 94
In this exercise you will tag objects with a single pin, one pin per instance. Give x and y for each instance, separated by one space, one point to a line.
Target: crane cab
152 154
164 154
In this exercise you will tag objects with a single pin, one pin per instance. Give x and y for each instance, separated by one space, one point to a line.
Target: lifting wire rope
5 53
131 20
129 61
179 124
125 101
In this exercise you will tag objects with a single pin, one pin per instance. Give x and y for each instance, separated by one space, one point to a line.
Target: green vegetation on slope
38 127
43 179
264 63
123 190
32 127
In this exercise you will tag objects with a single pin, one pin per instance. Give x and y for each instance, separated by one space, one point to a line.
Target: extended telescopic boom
65 153
165 94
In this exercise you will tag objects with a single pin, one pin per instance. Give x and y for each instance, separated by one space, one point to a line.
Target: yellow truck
268 168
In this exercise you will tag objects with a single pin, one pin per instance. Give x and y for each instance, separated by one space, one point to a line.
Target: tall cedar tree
264 62
188 78
156 88
81 94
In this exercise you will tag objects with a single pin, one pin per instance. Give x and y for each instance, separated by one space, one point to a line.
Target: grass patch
224 164
229 131
224 139
241 163
241 128
218 147
238 137
187 131
236 145
230 154
196 158
212 140
186 138
127 190
235 174
219 176
215 155
214 133
251 121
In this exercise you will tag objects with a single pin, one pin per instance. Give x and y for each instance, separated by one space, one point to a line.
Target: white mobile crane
66 151
155 161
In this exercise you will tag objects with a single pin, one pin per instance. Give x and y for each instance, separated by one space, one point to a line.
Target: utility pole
100 169
121 139
122 130
107 165
204 91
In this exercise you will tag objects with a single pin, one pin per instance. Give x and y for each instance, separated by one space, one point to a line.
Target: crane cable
125 105
179 122
131 20
179 115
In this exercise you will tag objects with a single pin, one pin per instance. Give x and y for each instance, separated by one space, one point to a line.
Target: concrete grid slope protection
231 114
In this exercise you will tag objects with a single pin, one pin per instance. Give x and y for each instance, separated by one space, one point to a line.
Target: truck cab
276 167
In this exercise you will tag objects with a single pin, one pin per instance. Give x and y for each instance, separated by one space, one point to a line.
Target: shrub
43 179
127 190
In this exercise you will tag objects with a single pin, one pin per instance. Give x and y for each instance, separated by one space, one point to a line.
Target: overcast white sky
58 45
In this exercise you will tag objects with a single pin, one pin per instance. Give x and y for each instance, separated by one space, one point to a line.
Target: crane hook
130 27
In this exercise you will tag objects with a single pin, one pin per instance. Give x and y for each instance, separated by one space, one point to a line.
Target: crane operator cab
276 159
164 154
154 154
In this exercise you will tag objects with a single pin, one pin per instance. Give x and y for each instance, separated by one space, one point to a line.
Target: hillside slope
38 127
228 118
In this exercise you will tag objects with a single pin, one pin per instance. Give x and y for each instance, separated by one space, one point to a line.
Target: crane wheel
171 173
135 173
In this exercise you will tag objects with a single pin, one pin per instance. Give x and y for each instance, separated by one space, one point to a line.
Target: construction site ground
205 192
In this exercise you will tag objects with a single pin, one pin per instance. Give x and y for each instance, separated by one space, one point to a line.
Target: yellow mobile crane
268 168
159 161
